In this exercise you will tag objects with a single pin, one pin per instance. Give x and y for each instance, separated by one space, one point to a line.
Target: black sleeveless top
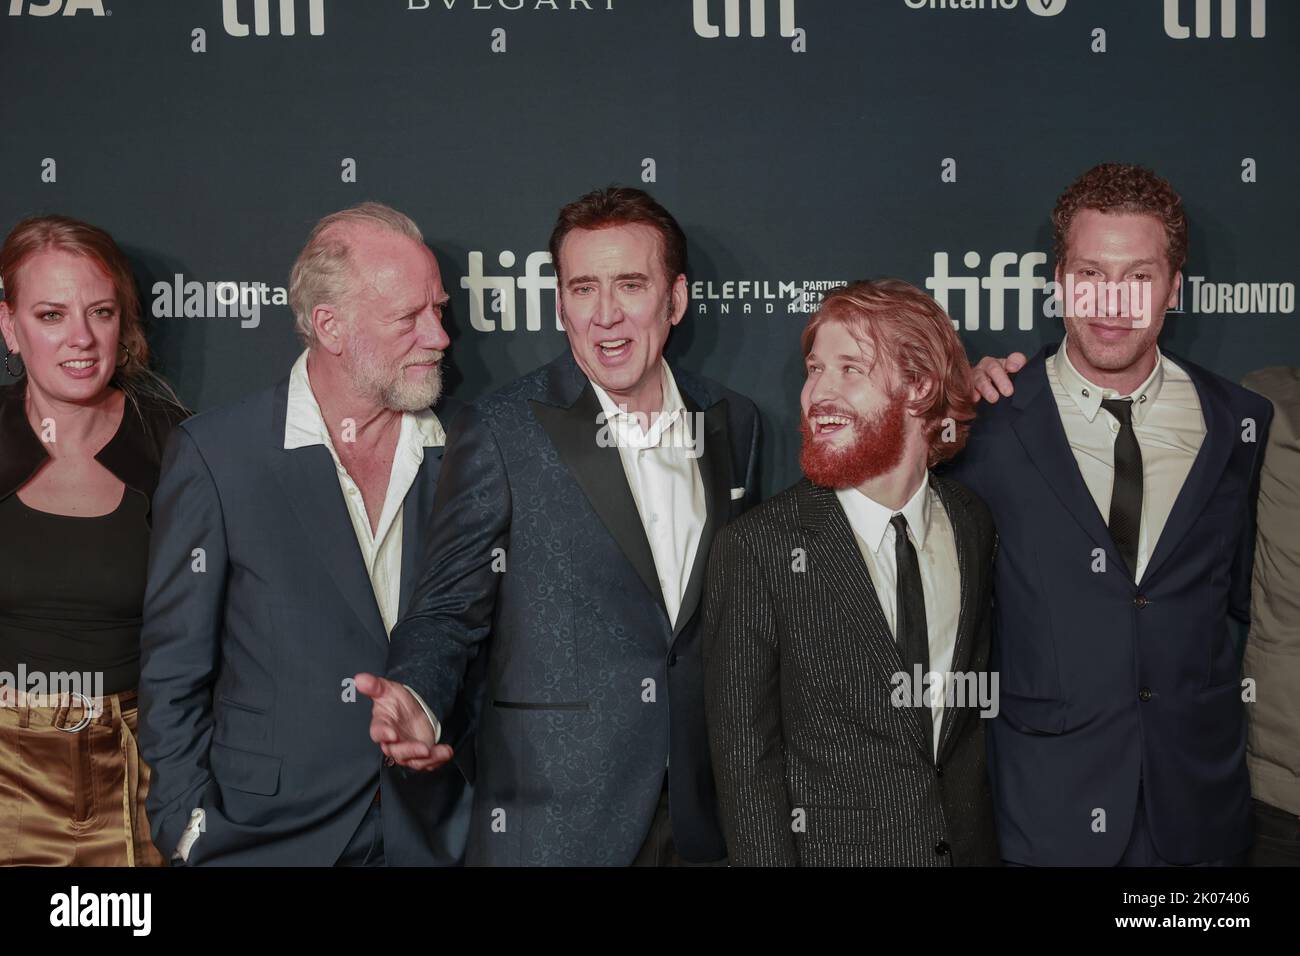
71 590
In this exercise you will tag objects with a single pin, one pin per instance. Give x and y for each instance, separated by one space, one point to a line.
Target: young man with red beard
846 620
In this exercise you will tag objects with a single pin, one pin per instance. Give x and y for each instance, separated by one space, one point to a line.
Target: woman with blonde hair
81 435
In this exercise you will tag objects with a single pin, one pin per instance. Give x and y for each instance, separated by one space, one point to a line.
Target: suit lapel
310 484
715 475
1207 468
833 554
598 470
969 568
1043 437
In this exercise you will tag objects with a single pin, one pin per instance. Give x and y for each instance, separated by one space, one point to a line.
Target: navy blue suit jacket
1105 683
243 707
539 560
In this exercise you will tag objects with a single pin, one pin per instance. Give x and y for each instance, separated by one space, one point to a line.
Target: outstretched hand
400 726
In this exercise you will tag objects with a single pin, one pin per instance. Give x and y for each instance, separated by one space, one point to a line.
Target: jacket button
672 659
941 848
938 770
1144 694
1140 601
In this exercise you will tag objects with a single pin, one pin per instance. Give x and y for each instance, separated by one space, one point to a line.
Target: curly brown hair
1124 187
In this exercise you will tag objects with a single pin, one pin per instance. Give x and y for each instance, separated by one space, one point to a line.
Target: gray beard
403 396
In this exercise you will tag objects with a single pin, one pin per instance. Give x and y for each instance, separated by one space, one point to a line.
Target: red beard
876 448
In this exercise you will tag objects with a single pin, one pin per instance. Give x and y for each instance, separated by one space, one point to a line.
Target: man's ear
919 390
328 326
678 300
1174 289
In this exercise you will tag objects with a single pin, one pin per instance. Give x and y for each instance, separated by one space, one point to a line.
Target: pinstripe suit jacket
814 764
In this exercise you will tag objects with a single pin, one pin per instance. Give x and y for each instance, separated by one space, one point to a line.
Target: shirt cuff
191 833
437 727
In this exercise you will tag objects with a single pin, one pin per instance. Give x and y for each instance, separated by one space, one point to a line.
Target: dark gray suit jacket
243 708
815 765
540 562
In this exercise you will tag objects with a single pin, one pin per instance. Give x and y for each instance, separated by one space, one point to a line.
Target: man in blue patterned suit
846 620
571 528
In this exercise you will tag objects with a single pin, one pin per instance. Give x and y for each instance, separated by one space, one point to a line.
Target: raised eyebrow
95 305
639 276
579 280
52 305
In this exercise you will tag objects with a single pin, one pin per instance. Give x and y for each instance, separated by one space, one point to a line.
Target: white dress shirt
381 549
1167 423
663 474
936 553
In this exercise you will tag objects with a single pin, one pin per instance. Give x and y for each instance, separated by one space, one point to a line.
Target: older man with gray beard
287 531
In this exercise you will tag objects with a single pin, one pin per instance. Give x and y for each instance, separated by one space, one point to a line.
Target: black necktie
1126 493
911 631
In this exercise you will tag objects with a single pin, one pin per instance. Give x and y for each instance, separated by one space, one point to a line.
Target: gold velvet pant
68 796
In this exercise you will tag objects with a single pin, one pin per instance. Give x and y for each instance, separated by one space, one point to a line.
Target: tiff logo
731 18
500 292
1227 19
50 7
1024 284
262 17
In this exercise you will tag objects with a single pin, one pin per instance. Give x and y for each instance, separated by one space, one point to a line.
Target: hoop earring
126 356
21 372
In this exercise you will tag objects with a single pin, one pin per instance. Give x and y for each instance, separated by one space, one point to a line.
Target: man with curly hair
1123 482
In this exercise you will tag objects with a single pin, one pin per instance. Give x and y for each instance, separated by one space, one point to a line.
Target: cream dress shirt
1167 422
